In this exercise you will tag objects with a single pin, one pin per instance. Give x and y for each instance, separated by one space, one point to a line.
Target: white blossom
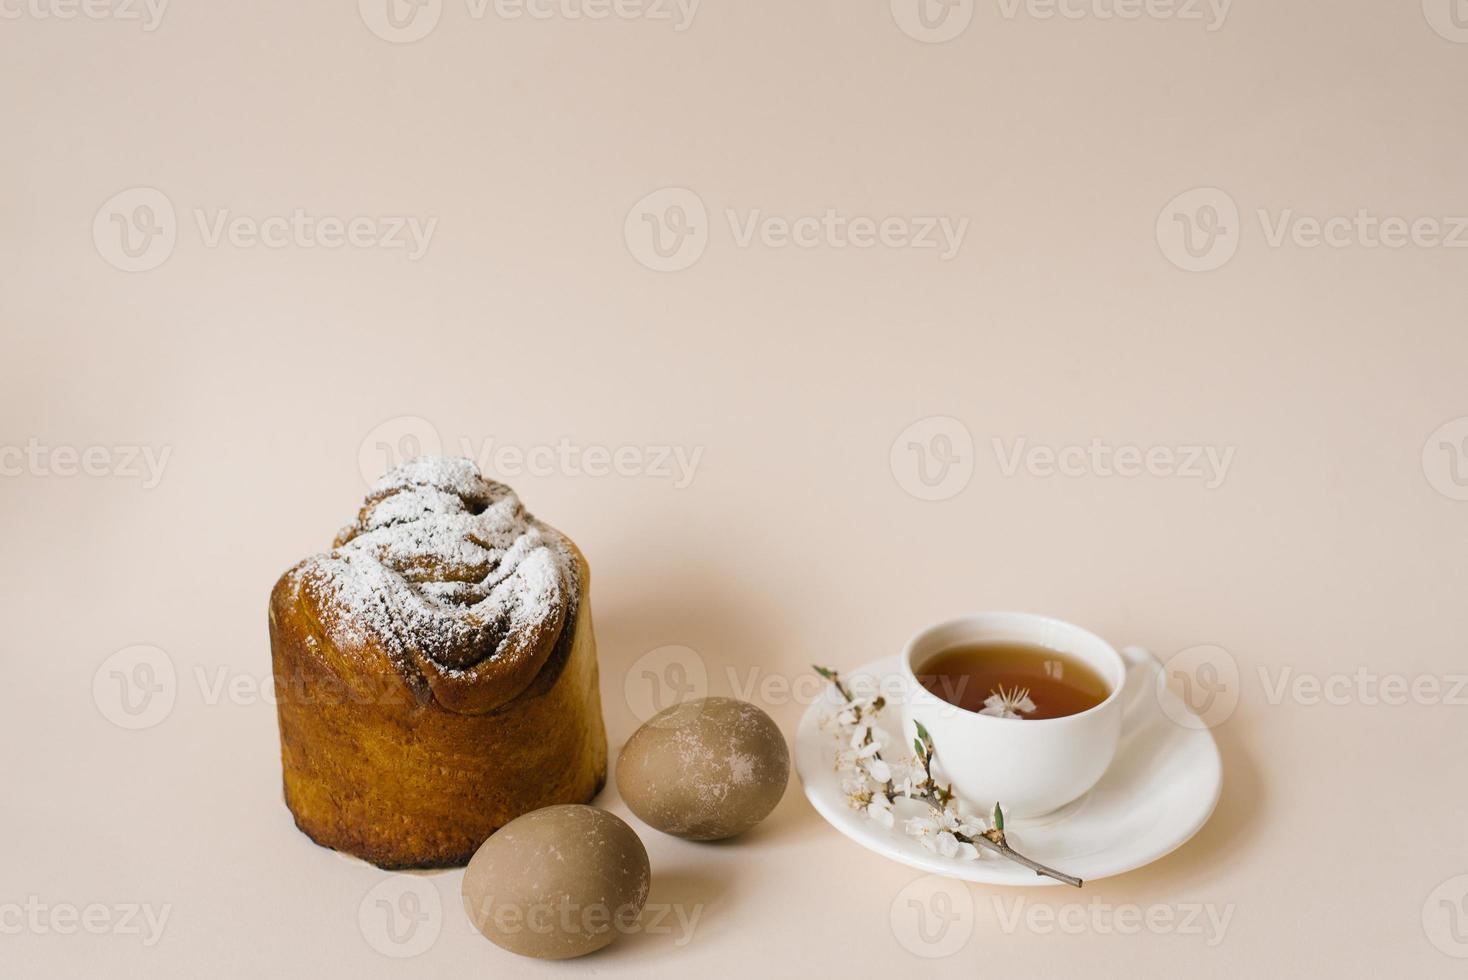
865 776
1013 703
880 811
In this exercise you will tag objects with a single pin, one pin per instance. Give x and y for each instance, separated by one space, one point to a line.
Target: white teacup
1029 766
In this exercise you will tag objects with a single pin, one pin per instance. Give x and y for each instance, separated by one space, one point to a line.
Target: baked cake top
447 575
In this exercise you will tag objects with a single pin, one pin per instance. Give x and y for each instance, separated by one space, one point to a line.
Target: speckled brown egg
559 882
705 769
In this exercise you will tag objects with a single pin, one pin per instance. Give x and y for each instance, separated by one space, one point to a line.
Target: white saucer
1160 790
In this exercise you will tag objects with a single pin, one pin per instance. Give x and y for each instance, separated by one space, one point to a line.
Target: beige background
1334 543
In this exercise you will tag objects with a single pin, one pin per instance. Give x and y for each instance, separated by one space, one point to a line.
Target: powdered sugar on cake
443 561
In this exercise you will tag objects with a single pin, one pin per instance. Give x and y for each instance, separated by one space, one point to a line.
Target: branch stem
1018 858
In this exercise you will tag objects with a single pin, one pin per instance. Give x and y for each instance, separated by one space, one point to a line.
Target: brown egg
559 882
705 769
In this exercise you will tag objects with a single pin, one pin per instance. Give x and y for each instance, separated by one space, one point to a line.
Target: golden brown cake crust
436 673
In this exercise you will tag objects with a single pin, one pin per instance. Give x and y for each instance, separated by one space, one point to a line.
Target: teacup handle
1142 670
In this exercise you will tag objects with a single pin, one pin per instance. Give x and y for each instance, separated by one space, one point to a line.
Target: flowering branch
872 784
